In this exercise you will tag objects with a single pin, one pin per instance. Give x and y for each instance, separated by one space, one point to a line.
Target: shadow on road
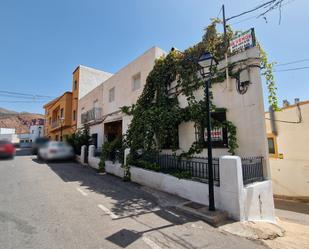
292 206
129 200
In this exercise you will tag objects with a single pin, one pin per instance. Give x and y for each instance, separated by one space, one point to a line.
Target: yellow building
288 136
61 113
58 116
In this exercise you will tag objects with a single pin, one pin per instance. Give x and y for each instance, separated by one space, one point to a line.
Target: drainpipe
272 121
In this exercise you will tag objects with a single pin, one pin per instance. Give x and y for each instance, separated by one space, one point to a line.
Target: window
218 134
272 145
49 121
75 84
136 82
74 115
111 96
95 103
61 113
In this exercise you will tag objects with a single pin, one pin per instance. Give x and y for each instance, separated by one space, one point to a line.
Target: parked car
38 143
55 151
7 149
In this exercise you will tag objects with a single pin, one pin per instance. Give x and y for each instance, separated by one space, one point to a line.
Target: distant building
7 131
8 134
288 136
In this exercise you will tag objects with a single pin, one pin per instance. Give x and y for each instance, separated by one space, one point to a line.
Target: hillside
20 121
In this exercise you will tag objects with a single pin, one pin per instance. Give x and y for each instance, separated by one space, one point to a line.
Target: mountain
20 121
5 111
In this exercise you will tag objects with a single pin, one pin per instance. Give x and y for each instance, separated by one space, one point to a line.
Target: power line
18 96
292 62
291 69
254 9
25 94
281 5
17 101
219 12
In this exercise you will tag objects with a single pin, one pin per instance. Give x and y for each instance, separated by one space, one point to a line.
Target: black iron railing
196 167
252 169
97 152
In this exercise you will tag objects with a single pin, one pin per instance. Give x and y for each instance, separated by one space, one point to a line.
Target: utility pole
226 47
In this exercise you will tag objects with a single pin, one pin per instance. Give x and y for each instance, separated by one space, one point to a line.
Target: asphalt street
66 205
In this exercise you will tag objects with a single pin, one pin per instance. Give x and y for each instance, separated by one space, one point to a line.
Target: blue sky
42 42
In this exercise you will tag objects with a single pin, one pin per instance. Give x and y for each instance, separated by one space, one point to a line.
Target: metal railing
98 152
94 114
252 169
196 166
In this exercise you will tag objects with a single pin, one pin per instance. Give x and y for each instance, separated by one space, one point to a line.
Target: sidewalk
291 231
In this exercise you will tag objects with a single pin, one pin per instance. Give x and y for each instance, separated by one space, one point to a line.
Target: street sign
243 41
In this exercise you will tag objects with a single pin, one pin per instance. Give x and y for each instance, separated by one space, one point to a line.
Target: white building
100 107
36 131
8 134
7 131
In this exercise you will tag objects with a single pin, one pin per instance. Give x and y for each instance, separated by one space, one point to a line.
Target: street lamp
207 62
61 122
40 128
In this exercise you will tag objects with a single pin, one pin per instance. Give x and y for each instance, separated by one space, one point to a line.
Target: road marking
107 211
81 191
172 213
150 243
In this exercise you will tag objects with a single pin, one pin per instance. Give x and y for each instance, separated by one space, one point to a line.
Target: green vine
267 72
157 113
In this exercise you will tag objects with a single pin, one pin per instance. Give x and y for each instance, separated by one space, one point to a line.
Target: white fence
250 202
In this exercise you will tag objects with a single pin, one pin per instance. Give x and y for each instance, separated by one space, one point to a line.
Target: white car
56 151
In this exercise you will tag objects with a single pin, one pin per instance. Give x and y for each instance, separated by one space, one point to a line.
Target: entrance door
113 130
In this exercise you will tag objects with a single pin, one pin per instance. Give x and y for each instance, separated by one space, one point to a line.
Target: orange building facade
61 113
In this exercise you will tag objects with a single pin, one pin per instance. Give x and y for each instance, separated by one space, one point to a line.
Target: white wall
251 202
86 103
98 129
122 81
90 78
7 131
36 131
290 175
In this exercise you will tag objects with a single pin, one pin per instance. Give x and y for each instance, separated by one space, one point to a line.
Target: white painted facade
89 79
7 131
36 131
125 94
290 163
127 85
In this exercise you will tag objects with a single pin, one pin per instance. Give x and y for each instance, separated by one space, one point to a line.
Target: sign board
216 134
242 41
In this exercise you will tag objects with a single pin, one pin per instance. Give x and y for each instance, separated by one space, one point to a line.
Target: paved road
292 211
65 205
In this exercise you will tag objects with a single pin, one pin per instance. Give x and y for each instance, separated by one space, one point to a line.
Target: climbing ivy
157 113
267 71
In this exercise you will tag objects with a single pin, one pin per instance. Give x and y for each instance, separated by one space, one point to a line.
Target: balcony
93 115
55 124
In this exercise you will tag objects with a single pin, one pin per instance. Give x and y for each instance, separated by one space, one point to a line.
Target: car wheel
39 157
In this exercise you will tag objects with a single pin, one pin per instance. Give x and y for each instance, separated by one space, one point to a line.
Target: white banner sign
243 41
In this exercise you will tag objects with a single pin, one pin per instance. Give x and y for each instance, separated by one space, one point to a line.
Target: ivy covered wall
158 113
